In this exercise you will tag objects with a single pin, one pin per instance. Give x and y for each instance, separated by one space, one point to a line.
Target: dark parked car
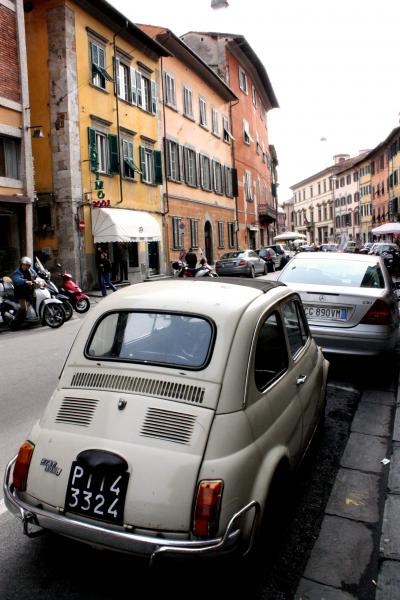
366 248
241 262
283 252
272 259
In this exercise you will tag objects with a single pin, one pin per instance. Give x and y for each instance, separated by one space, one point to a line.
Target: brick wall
9 64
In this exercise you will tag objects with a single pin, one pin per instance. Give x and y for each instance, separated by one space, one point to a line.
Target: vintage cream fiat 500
181 405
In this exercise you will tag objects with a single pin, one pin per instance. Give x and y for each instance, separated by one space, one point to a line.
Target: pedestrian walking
191 259
104 274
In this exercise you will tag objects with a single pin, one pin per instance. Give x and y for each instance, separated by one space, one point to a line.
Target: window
271 358
152 338
227 133
205 172
202 112
129 166
258 147
349 199
253 94
9 157
102 152
311 191
190 167
228 182
248 192
172 160
246 132
150 165
214 121
194 233
187 102
177 233
169 90
221 241
217 177
231 235
146 94
295 326
243 80
123 80
99 75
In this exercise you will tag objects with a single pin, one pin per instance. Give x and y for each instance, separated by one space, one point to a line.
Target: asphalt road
50 567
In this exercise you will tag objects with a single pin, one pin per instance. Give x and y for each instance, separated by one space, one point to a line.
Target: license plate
336 313
96 494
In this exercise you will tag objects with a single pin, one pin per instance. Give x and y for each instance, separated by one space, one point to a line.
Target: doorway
153 257
208 242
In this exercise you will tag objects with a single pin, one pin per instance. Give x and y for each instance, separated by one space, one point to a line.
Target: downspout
121 194
165 210
235 198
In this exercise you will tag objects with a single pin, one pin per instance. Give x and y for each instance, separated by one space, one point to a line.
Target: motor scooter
182 270
80 301
53 289
42 309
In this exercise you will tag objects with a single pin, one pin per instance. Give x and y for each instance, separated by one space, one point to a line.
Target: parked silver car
241 262
350 301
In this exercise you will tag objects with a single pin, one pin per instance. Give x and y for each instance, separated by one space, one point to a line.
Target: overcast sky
334 67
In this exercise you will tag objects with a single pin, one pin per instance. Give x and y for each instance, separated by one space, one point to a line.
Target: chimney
338 158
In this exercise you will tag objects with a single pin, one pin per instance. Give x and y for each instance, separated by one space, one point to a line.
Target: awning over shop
121 225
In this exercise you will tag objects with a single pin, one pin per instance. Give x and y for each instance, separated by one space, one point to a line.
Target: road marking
3 508
342 387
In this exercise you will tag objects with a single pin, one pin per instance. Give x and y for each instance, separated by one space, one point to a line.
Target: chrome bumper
125 541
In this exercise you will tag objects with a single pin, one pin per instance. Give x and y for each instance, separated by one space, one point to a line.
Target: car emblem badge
50 466
121 404
321 298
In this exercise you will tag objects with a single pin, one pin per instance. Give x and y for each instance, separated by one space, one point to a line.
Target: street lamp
333 180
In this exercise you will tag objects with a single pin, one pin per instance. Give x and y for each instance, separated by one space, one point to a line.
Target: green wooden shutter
142 162
92 149
113 150
157 167
153 97
116 76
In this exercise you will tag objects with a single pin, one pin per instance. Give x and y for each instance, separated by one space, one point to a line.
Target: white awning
121 225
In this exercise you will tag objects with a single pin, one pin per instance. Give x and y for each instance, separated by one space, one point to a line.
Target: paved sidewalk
360 532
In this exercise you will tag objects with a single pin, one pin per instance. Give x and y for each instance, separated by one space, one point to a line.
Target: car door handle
301 379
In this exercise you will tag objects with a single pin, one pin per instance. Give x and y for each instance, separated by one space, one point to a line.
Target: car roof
338 256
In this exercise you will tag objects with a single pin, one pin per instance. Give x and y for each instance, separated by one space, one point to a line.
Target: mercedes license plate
335 313
96 494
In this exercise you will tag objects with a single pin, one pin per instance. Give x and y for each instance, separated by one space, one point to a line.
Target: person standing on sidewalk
104 274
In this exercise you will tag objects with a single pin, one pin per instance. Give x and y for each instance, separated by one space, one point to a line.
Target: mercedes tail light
242 262
378 314
21 467
207 507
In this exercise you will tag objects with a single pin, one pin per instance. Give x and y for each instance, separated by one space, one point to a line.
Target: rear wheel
69 311
82 305
53 315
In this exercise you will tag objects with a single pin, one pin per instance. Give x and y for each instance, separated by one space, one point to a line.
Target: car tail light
207 507
378 314
21 467
242 262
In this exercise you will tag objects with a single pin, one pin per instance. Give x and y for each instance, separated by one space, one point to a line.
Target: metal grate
168 425
139 385
76 411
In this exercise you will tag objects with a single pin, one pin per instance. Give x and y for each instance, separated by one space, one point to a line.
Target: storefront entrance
208 242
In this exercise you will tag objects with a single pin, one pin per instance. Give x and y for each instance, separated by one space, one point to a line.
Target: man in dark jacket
104 274
191 259
23 279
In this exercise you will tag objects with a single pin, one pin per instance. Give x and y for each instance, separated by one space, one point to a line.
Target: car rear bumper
361 340
232 271
123 539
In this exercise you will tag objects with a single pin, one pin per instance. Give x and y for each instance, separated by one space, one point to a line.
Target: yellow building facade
365 194
94 82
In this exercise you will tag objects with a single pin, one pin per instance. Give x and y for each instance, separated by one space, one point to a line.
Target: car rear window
176 340
233 255
334 272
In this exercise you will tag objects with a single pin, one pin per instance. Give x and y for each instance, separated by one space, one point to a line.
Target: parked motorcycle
182 270
53 289
80 301
43 309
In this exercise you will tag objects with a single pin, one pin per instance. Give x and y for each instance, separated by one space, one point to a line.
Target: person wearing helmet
23 279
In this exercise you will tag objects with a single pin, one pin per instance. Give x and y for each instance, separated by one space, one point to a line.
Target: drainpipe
235 198
165 207
121 194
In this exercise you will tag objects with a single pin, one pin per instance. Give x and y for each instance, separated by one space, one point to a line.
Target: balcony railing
267 212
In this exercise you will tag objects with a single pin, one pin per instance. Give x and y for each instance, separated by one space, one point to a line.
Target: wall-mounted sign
101 204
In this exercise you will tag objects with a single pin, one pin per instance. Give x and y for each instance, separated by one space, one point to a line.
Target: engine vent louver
139 385
168 425
76 411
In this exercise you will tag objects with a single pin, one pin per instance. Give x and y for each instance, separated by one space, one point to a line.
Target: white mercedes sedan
350 301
